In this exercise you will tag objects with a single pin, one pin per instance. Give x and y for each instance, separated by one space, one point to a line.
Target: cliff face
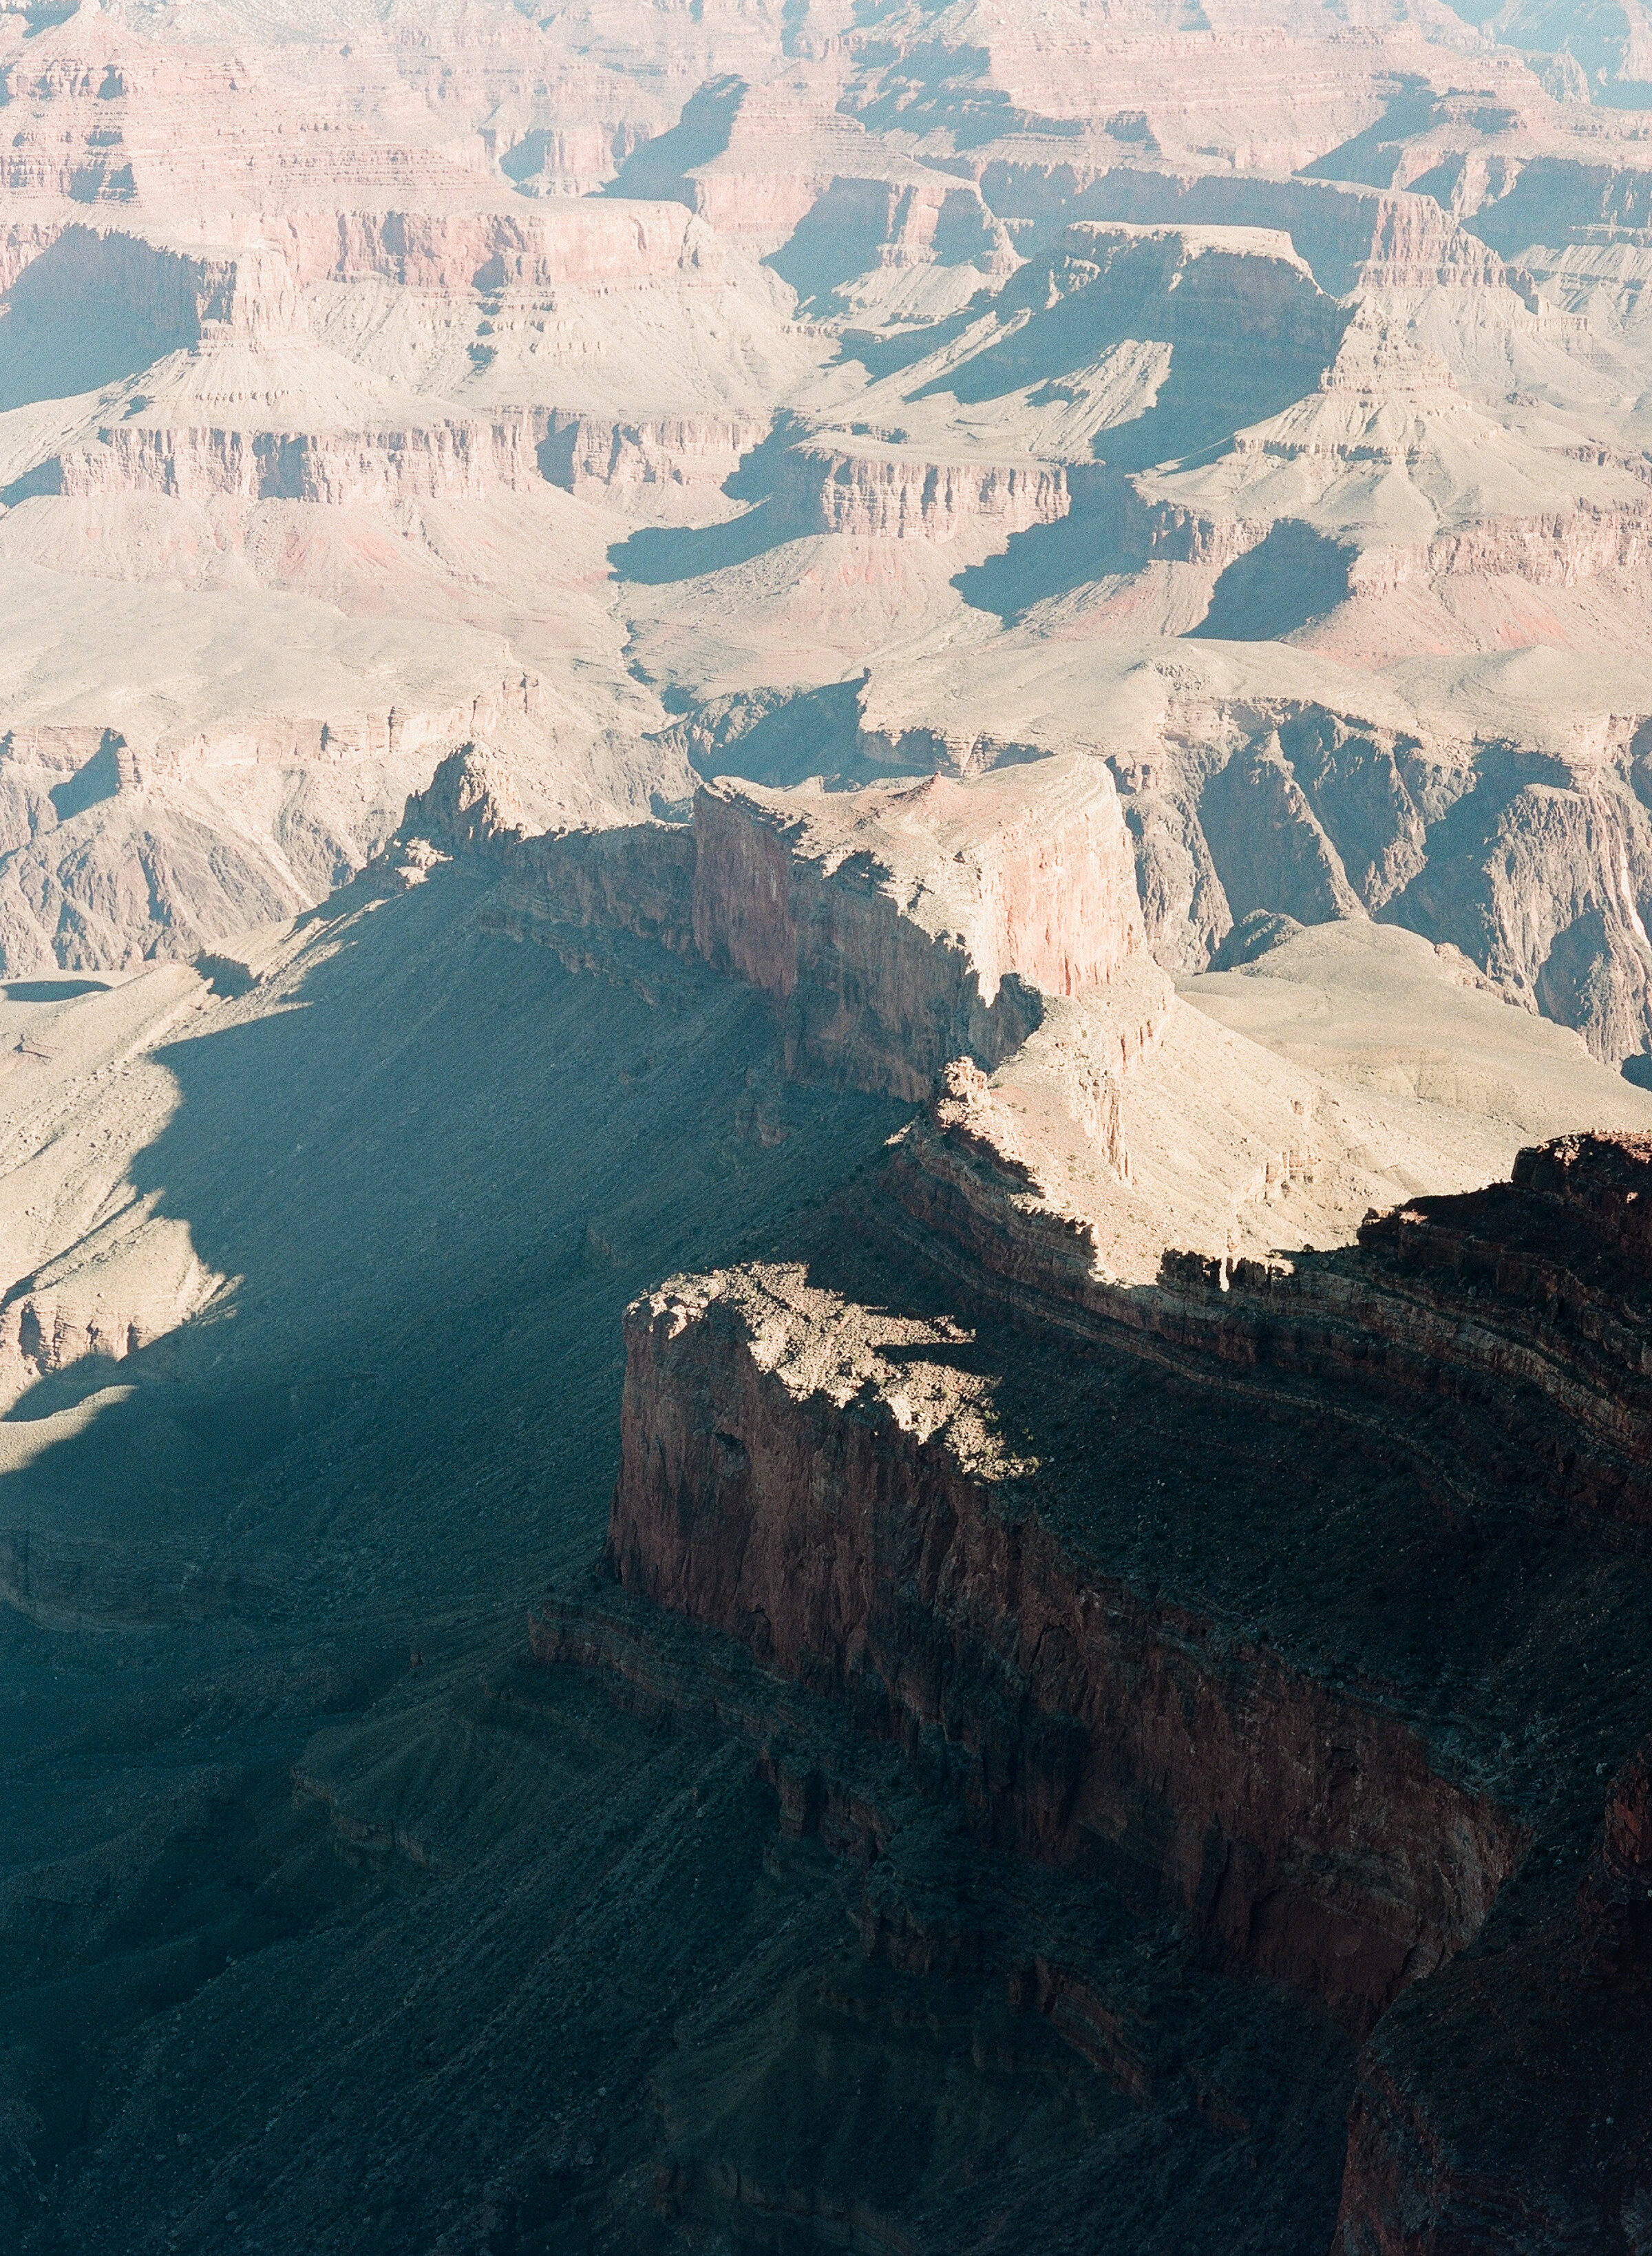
691 455
681 459
581 242
1603 1182
853 1497
1029 876
152 291
1557 548
1346 231
868 995
900 223
896 931
437 461
1245 1590
820 489
785 1481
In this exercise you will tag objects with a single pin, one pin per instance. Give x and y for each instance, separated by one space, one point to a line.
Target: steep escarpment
976 939
999 1551
888 495
581 242
687 455
887 972
894 930
440 461
154 293
837 1510
1345 230
1150 1578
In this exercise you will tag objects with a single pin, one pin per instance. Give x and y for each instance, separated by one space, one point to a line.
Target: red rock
785 1481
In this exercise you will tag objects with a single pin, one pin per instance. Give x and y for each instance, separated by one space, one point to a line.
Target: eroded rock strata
1292 1600
1039 618
894 932
790 1479
1330 1800
1112 1708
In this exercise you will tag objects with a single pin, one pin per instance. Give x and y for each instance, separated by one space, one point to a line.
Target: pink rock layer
870 996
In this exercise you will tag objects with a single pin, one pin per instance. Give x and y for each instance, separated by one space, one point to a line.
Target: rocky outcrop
916 925
846 1493
820 489
588 455
149 289
1557 549
577 242
471 803
867 997
841 1507
441 460
861 220
868 994
894 931
638 879
1605 1181
1350 235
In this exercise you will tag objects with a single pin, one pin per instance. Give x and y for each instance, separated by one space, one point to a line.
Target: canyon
826 1129
1221 1592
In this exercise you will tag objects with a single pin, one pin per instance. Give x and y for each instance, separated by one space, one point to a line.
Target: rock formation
824 848
1237 350
839 1491
979 1531
852 1496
